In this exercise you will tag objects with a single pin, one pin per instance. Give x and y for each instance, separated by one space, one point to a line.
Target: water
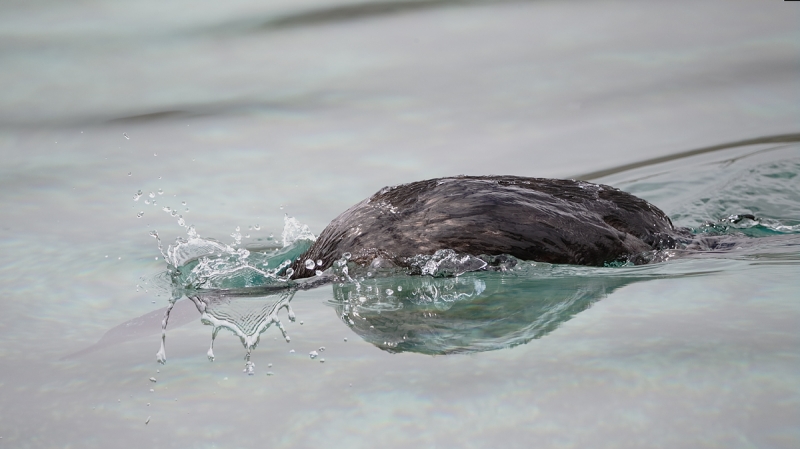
247 116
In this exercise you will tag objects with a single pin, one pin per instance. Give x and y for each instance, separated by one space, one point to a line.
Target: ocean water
254 125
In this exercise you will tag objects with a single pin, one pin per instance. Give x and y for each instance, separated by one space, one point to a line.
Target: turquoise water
248 113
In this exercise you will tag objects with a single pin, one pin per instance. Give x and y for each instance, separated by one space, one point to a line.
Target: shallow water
248 112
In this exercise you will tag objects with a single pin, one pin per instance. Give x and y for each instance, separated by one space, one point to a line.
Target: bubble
369 274
126 136
389 292
318 272
257 227
309 264
313 354
140 214
289 272
399 288
347 256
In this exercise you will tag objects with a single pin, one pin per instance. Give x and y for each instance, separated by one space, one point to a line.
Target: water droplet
313 354
301 323
270 373
152 379
399 288
183 203
269 365
126 136
347 256
249 368
151 391
318 272
389 292
345 339
139 215
151 195
129 173
289 272
137 195
257 227
146 201
322 349
166 209
321 360
154 154
160 192
309 264
147 421
291 351
281 206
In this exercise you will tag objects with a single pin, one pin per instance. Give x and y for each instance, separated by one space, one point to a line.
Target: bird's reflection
470 313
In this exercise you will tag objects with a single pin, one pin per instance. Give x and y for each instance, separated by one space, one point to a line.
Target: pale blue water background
238 111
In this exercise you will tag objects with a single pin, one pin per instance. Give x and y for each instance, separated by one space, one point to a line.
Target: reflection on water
470 313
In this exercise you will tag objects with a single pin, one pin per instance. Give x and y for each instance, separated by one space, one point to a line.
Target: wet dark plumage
544 220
